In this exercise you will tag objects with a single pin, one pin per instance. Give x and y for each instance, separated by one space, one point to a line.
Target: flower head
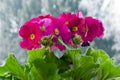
46 26
61 30
69 19
92 28
73 29
31 35
73 21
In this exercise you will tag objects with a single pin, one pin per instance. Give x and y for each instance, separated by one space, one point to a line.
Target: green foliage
99 56
36 54
108 70
84 67
12 67
47 71
75 57
42 64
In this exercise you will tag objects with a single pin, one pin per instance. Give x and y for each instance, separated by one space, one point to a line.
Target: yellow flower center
57 31
42 28
66 22
75 28
32 36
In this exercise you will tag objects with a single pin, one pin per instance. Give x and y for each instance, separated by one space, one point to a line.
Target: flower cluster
73 28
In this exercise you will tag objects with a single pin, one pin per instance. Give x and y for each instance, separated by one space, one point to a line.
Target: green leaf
108 70
117 78
87 69
89 50
8 78
84 67
67 73
50 57
61 63
74 56
34 74
99 55
45 71
63 66
36 54
68 78
13 67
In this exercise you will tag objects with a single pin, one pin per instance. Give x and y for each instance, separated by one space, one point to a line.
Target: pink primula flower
92 28
46 16
46 24
62 31
31 35
73 21
66 26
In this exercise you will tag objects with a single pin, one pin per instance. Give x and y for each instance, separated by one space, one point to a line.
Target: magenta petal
65 34
63 30
70 19
91 29
48 25
23 44
79 14
26 31
101 30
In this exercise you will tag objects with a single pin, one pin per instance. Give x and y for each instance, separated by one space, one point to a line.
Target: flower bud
47 41
76 39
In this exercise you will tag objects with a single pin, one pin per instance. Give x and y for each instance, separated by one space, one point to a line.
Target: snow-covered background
14 13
